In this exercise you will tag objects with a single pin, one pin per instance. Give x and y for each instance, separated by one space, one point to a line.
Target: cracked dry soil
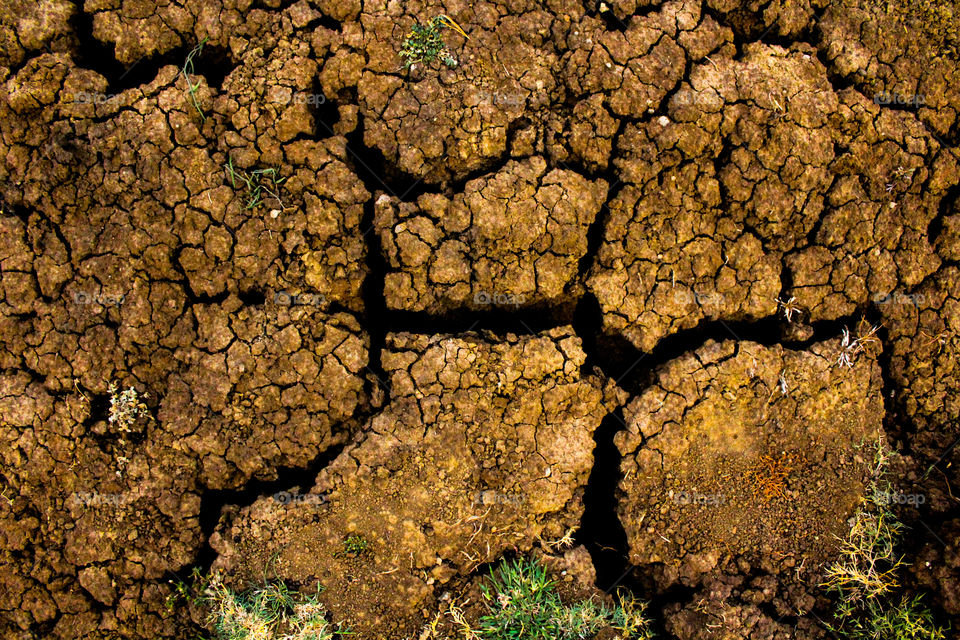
591 280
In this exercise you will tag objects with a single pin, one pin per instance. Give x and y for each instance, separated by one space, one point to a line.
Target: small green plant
865 574
908 620
523 604
425 43
867 566
188 590
256 183
186 71
271 611
353 546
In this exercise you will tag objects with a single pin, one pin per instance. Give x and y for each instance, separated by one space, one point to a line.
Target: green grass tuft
255 184
523 604
271 611
908 620
865 575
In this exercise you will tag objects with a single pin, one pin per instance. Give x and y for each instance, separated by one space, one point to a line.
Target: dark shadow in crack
600 529
212 62
213 502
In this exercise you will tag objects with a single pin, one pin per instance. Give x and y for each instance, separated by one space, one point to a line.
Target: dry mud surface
592 279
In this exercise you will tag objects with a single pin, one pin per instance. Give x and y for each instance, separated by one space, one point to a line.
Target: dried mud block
279 387
903 54
511 239
737 606
93 512
759 170
923 333
132 179
439 123
484 446
509 90
746 453
86 526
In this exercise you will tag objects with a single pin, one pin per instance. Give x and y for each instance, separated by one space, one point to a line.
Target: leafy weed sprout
256 183
188 590
523 604
866 572
271 611
186 71
353 546
425 43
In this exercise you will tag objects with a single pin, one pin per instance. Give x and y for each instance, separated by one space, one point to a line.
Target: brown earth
747 455
484 447
511 240
660 174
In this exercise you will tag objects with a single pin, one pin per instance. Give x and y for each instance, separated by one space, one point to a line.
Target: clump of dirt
33 27
922 331
484 446
130 257
509 240
719 200
746 455
937 567
740 606
903 54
